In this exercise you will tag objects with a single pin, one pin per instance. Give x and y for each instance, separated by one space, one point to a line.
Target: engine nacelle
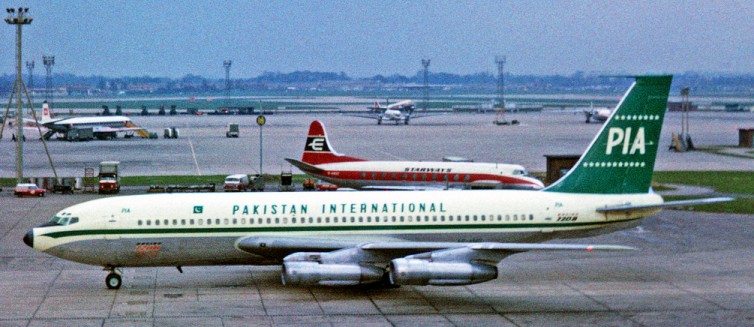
313 273
422 272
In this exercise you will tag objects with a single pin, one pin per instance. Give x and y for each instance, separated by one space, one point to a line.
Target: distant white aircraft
402 111
599 115
104 127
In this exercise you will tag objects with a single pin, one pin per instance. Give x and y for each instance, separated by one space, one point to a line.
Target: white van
236 183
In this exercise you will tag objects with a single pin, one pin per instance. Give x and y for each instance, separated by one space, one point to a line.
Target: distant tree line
700 83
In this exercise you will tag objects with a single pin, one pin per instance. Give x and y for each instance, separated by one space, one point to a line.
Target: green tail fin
621 158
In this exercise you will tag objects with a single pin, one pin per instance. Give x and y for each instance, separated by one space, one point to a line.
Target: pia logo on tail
625 140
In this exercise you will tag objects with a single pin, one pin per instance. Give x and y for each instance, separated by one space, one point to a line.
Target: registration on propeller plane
322 161
396 238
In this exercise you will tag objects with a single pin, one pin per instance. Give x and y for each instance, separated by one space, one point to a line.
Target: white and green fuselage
204 229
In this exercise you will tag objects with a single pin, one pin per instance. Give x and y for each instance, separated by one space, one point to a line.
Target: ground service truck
109 177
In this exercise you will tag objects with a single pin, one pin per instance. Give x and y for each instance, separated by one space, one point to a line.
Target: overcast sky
365 38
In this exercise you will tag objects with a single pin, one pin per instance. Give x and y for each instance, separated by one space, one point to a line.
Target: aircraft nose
29 238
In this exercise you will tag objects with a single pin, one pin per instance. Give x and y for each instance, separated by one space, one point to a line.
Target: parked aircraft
322 161
402 111
599 115
398 238
104 127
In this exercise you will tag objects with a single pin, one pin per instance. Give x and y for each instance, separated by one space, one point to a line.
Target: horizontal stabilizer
305 167
671 204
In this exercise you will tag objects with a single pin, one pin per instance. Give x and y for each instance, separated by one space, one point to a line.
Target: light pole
17 17
226 65
48 61
30 67
425 64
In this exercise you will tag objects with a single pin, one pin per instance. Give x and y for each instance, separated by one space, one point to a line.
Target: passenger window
243 221
209 221
149 222
139 222
319 220
293 220
277 221
225 221
531 217
235 221
166 222
327 220
157 222
191 221
217 221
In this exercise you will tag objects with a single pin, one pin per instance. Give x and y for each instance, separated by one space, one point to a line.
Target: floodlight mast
49 61
18 18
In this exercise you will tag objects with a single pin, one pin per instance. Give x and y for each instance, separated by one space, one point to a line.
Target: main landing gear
113 280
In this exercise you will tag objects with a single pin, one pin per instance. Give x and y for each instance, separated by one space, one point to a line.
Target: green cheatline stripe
395 228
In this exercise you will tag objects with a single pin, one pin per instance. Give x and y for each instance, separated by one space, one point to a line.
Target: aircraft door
111 223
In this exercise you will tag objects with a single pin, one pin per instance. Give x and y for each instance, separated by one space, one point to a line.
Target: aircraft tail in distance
318 150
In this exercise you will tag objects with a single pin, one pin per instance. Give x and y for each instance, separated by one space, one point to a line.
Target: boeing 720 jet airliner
322 161
397 238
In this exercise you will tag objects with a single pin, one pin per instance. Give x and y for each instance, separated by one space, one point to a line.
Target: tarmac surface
202 147
690 269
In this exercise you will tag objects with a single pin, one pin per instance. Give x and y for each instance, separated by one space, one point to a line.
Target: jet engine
313 273
405 271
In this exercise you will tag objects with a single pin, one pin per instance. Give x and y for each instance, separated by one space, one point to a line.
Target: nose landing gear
113 280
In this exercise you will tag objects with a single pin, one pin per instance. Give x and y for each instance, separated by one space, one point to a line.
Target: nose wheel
113 280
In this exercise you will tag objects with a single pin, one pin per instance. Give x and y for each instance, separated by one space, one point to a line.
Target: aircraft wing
333 262
106 129
415 115
375 116
268 244
305 167
669 204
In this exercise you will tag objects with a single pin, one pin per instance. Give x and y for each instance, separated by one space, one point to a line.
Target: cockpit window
520 172
63 221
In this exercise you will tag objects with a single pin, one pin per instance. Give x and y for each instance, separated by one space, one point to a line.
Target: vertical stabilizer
621 158
46 116
318 150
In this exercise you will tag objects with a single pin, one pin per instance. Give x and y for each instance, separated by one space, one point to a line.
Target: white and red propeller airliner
322 161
